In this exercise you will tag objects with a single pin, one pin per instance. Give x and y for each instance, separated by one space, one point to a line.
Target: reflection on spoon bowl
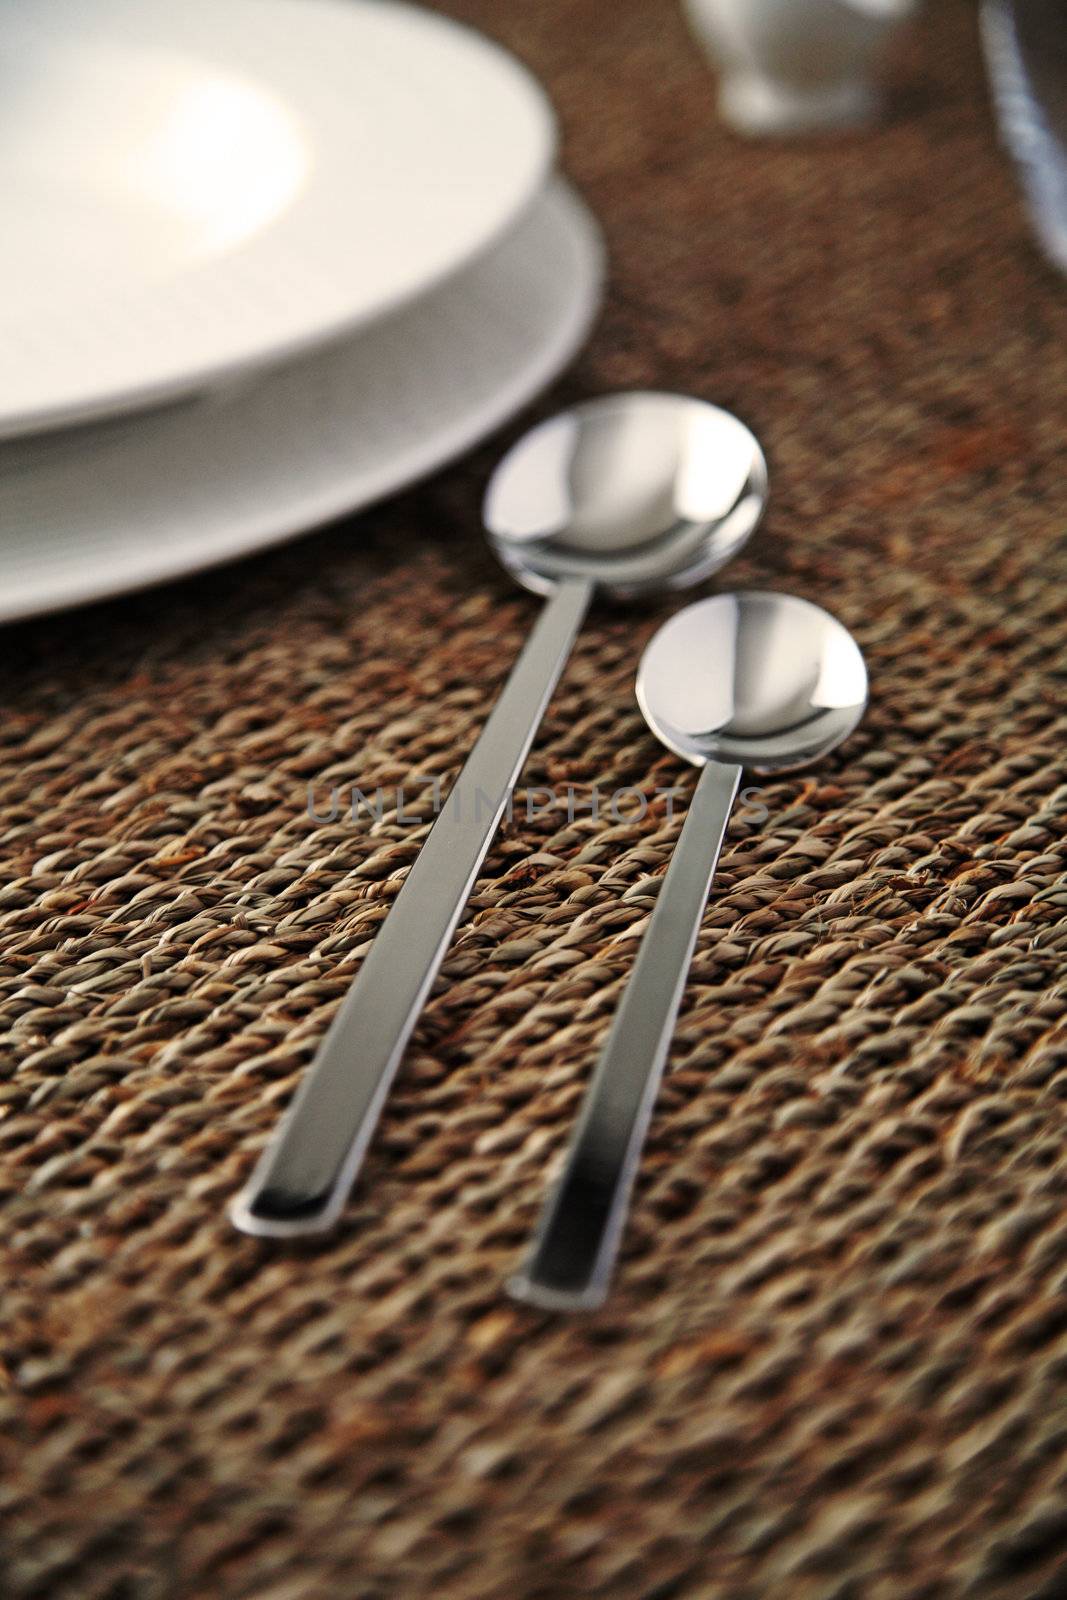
765 680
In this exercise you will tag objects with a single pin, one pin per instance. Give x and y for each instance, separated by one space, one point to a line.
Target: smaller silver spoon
764 681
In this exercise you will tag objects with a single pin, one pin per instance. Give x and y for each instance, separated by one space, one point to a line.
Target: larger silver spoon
763 681
628 494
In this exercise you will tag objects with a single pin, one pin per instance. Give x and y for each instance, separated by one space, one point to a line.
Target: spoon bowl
767 681
635 492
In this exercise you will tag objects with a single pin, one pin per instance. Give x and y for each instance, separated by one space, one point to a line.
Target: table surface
834 1365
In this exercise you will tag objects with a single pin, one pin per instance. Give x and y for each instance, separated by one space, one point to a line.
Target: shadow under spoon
757 680
625 495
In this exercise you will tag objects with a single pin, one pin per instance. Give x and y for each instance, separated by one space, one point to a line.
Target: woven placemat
835 1363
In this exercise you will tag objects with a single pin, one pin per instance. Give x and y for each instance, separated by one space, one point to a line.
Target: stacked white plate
264 262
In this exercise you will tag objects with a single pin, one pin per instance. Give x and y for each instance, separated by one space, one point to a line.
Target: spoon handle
304 1176
570 1262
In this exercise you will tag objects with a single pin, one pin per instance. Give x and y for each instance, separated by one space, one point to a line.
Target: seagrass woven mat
834 1366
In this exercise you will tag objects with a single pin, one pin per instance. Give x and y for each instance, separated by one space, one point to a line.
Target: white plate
128 502
191 187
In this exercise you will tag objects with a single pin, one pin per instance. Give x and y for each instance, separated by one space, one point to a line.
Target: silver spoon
755 680
628 494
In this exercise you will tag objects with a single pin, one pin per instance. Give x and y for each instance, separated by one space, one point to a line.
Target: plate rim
259 531
263 350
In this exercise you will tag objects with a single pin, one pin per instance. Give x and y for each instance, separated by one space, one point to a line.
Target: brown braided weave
835 1364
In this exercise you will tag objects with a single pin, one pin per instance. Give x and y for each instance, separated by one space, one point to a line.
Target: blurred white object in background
1026 50
793 66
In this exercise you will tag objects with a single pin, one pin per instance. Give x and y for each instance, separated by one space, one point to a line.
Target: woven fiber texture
834 1366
